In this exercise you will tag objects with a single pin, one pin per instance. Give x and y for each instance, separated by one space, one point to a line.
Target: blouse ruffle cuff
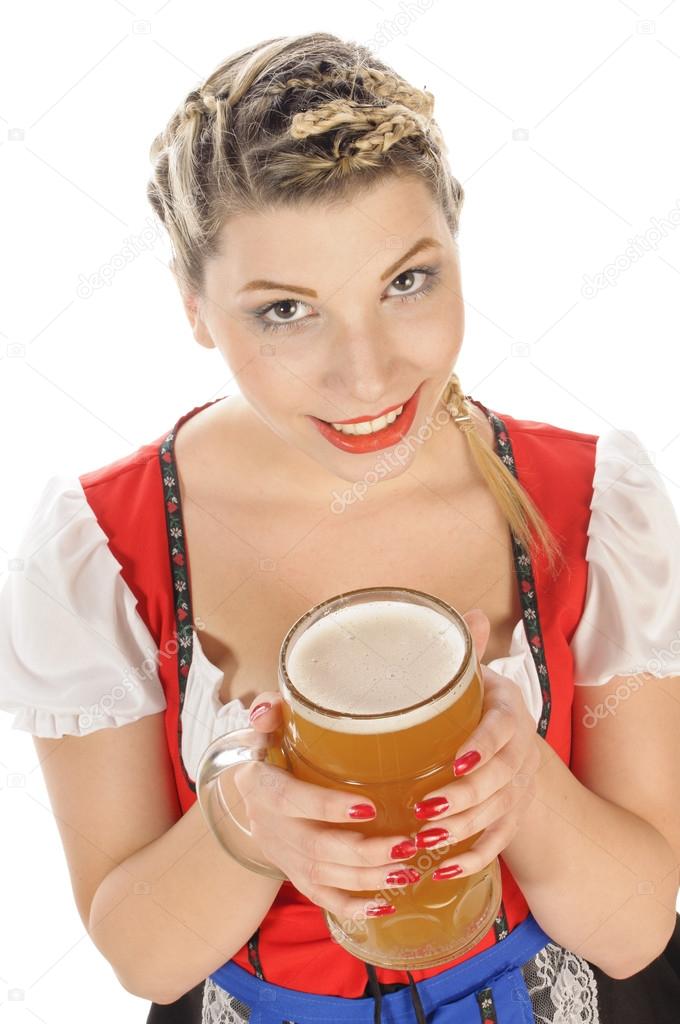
75 654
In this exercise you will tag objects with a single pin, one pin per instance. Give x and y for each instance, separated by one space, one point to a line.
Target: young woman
313 217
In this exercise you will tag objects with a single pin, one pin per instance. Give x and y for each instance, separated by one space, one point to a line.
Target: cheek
278 398
435 348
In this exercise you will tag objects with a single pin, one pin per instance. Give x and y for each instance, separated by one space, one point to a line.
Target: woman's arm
600 880
176 910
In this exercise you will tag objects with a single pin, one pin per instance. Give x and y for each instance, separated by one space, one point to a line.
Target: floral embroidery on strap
529 604
525 579
180 579
487 1009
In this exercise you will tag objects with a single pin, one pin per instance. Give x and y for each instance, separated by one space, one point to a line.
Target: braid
380 83
514 501
408 111
391 122
199 103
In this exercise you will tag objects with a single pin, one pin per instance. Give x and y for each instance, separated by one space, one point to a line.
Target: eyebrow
262 285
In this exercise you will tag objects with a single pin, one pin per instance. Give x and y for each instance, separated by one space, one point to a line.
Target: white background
561 122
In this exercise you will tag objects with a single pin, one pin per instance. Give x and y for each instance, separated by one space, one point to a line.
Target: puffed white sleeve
75 654
631 616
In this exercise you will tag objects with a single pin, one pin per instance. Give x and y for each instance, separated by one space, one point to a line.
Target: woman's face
336 313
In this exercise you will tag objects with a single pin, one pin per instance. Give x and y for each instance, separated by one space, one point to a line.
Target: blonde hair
309 119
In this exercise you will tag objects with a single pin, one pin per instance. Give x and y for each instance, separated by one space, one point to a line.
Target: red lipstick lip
391 434
367 419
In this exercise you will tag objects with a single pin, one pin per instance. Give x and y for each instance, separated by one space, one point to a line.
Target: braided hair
311 119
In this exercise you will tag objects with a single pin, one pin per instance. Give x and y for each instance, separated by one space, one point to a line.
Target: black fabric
415 998
375 991
185 1010
652 996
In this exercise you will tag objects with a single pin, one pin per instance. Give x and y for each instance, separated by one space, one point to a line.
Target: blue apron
489 986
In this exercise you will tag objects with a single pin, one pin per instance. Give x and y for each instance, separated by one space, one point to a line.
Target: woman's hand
292 821
503 756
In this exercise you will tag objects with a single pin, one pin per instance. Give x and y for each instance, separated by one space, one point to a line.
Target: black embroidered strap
524 577
179 570
254 954
487 1007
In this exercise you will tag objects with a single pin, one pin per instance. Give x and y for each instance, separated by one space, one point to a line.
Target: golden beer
381 687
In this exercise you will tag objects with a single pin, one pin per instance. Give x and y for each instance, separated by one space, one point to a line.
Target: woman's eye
409 276
288 308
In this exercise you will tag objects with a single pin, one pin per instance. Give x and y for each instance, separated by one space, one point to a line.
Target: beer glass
381 686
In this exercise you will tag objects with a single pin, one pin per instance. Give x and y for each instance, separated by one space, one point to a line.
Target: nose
367 373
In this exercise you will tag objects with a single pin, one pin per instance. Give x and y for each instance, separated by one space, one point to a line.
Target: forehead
386 217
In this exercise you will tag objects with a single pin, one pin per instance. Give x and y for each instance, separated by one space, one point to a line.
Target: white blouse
76 656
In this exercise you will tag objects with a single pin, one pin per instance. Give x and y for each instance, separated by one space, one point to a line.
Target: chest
256 568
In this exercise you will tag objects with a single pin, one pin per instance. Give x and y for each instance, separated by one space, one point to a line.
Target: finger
458 827
339 846
496 727
489 845
449 805
266 709
352 912
311 865
480 628
261 783
473 790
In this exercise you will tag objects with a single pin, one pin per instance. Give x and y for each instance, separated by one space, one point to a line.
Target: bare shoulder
215 449
112 792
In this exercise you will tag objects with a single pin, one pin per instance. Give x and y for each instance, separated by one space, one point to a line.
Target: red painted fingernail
259 709
380 911
361 811
402 851
449 872
407 876
435 805
431 837
465 762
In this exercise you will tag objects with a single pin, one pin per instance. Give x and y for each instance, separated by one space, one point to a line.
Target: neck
442 464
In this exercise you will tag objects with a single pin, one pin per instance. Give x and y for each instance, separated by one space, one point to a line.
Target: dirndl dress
524 977
130 512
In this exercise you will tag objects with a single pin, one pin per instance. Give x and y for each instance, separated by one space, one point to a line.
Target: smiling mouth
372 435
369 425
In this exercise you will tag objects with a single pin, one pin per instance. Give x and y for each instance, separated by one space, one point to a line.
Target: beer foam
377 657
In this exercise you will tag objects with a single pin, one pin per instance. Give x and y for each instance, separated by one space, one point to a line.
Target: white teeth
370 426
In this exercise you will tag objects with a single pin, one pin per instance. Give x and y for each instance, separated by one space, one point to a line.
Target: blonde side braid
524 518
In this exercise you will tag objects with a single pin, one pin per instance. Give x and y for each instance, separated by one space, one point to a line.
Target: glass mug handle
218 794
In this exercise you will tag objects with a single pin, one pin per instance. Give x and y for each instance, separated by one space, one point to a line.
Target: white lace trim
561 986
219 1007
